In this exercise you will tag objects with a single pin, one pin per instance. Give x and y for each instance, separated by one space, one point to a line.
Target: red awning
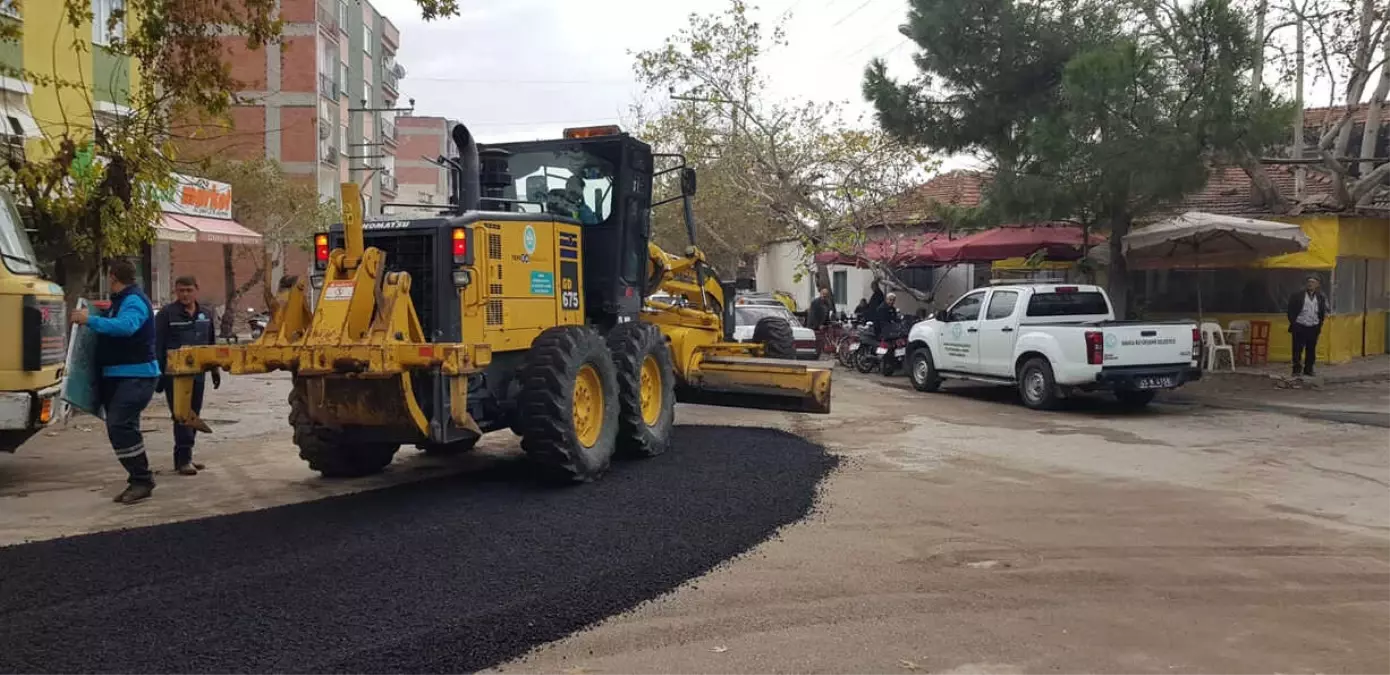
212 230
171 230
1061 242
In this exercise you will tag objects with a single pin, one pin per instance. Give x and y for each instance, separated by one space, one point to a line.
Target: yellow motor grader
537 303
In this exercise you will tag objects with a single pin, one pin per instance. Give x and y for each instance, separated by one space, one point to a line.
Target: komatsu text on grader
528 305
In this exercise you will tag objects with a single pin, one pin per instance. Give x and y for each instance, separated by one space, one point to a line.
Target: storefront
197 211
1350 255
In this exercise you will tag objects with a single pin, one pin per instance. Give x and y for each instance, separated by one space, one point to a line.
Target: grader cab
526 307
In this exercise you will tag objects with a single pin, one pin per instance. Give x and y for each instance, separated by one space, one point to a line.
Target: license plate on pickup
1156 382
900 351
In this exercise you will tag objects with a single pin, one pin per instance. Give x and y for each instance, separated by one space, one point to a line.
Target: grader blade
183 404
760 383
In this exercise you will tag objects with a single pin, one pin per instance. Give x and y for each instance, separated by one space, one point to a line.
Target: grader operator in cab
518 309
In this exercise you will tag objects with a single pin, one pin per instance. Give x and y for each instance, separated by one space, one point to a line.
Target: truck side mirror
688 182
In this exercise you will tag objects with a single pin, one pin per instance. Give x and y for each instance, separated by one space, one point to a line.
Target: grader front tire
328 451
567 410
646 389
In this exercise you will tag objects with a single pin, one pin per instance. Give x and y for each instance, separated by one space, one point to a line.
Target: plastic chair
1259 342
1241 340
1215 342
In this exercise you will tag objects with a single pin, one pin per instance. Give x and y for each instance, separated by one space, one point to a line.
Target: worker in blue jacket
129 371
185 322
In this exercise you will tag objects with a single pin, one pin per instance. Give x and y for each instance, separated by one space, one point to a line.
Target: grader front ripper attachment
531 322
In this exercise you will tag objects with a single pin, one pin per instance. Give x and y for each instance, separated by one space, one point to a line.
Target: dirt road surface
961 533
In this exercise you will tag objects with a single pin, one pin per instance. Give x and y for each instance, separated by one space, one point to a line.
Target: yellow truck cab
33 336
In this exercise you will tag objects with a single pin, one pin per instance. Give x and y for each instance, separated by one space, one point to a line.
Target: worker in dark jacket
185 323
821 311
875 299
125 353
1307 311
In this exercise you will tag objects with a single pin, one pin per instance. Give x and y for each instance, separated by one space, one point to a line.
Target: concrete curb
1363 417
1316 380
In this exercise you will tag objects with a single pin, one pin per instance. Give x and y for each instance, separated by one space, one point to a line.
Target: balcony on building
328 19
391 74
390 36
388 132
328 88
328 153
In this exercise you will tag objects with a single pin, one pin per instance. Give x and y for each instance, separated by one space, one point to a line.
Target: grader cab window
573 184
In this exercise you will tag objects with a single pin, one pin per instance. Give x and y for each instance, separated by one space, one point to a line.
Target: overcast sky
525 69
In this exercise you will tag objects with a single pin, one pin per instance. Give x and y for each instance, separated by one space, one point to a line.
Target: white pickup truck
1051 340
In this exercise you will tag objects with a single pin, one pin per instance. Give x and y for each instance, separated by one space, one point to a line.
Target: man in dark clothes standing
185 323
1307 311
125 353
822 309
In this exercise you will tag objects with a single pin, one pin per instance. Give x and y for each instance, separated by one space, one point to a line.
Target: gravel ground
453 574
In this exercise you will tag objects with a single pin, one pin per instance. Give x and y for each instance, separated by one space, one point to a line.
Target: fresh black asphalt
452 574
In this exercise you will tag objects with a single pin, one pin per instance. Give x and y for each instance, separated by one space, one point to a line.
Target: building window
839 287
102 13
342 78
367 39
343 15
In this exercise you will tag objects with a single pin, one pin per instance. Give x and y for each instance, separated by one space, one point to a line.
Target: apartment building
423 184
323 103
35 110
39 110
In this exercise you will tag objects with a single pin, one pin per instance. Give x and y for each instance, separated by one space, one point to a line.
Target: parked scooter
257 322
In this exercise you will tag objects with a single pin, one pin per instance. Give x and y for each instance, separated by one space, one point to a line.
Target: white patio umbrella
1205 240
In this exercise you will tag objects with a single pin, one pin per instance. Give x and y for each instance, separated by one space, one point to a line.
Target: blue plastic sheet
82 378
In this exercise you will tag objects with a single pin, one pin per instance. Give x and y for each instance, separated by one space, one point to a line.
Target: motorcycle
861 349
892 346
257 322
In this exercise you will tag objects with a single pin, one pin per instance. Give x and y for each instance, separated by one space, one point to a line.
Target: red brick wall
243 138
299 138
248 66
297 11
299 69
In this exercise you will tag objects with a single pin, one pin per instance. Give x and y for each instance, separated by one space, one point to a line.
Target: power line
856 10
871 43
470 80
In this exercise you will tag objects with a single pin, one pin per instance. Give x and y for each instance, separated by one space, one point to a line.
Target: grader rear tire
646 389
567 410
328 451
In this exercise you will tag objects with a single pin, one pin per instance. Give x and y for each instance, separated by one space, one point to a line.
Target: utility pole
356 172
1300 173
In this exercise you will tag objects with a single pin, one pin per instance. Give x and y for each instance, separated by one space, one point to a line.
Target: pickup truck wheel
1134 399
1037 385
923 371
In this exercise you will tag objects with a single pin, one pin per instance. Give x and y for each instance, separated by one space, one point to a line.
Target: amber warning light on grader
591 132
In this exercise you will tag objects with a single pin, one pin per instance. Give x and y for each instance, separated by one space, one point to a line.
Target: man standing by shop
185 322
125 353
1307 311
